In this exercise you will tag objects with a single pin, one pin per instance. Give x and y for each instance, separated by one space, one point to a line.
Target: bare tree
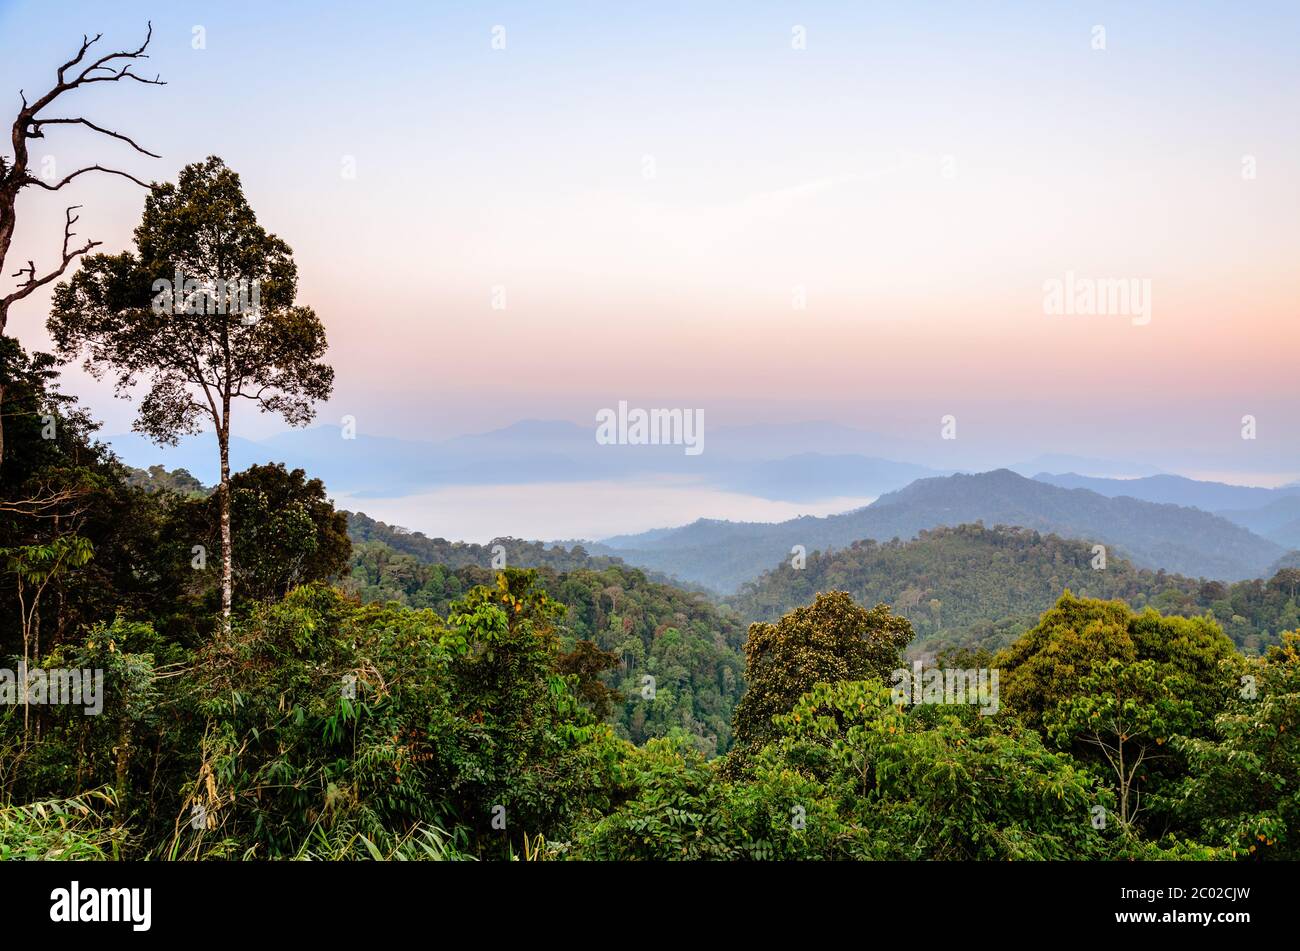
16 174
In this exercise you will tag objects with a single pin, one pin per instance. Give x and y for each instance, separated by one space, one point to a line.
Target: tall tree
830 640
16 173
165 315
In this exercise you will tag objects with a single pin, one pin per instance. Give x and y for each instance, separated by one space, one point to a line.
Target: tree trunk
26 673
227 553
4 322
123 768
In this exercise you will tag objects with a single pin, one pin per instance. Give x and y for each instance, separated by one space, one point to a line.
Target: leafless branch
37 134
33 282
48 505
27 125
83 171
84 77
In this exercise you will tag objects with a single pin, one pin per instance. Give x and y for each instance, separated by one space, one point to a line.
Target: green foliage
851 776
287 747
330 724
681 809
165 317
830 640
991 584
526 742
585 663
1128 712
63 496
118 748
422 844
111 312
159 479
37 564
285 531
904 786
431 711
1049 664
691 648
1242 790
440 552
73 829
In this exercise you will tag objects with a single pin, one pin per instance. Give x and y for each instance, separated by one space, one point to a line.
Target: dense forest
971 586
726 555
243 672
473 713
692 649
421 549
504 715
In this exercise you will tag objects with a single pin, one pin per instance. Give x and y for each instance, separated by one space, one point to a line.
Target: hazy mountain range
794 462
791 463
1196 528
1272 513
723 555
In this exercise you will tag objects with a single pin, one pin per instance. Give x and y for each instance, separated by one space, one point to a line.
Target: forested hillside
439 551
242 672
480 722
724 555
691 648
974 586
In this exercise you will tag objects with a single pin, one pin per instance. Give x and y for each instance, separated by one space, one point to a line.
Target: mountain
692 647
1104 469
977 587
196 454
723 555
439 551
777 440
968 586
784 462
1290 560
518 553
1278 521
1178 490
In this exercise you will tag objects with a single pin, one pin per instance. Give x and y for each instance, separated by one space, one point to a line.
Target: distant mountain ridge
1279 521
972 586
1270 513
723 555
787 463
1179 490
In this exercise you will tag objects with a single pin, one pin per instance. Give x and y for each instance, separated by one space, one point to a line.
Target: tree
586 662
1046 667
199 348
1288 580
60 481
1241 791
830 640
16 173
903 784
158 479
1128 712
285 531
523 747
34 567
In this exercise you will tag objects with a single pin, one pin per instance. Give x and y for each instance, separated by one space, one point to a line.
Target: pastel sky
653 187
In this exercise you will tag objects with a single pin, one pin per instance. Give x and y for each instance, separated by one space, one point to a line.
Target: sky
775 212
